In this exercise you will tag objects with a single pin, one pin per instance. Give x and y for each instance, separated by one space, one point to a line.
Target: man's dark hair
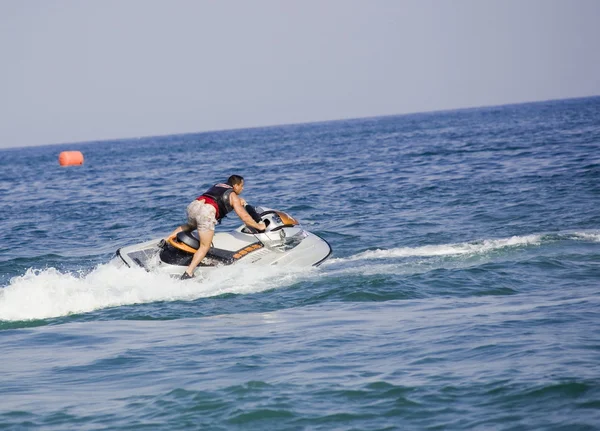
235 179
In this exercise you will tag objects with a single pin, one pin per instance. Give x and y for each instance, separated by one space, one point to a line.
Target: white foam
48 293
588 236
470 248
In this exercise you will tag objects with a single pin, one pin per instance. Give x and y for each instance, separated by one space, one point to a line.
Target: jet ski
284 243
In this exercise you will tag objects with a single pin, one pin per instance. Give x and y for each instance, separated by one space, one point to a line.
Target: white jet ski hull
284 243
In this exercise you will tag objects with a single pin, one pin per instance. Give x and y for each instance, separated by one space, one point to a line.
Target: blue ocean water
463 291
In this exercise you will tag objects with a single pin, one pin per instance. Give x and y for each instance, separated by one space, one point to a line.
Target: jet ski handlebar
252 211
273 220
256 217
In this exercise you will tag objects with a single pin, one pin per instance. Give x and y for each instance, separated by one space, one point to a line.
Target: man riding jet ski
283 242
268 237
208 209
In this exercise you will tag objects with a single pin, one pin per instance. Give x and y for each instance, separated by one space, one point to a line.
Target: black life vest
220 194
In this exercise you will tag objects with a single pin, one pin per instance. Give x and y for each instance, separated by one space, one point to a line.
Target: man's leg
206 237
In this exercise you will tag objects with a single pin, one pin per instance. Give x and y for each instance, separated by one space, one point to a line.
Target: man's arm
236 203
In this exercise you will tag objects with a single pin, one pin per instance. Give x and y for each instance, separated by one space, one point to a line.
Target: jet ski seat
188 239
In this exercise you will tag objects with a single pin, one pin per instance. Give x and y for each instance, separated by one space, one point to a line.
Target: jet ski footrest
184 246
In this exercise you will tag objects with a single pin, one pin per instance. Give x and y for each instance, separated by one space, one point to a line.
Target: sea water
463 291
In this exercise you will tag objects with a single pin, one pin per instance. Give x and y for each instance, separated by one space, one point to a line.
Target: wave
471 248
588 236
49 293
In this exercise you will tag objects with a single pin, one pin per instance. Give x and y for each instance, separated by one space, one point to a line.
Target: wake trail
48 293
472 248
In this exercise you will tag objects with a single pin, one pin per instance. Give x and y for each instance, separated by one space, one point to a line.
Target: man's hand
261 226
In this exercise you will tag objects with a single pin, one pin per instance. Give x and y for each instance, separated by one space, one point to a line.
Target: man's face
238 187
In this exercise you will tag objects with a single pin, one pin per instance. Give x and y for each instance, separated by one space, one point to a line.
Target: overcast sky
73 71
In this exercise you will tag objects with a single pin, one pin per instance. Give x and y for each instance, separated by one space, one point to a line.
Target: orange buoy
70 158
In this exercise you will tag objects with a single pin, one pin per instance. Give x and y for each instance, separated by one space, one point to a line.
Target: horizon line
433 111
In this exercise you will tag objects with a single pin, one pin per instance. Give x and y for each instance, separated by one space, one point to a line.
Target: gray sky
73 71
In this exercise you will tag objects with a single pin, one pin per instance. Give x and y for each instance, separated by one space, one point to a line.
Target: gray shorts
201 216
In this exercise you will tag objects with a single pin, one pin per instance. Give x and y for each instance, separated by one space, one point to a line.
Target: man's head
237 182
